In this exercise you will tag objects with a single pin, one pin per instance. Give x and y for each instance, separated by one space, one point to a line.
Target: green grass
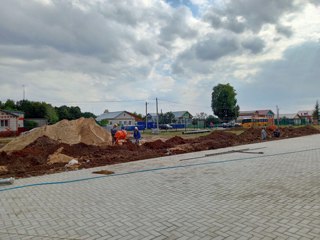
172 133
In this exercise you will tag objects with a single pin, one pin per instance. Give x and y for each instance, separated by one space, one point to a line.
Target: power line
193 105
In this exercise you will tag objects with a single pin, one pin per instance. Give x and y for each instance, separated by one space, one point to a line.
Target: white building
122 118
11 120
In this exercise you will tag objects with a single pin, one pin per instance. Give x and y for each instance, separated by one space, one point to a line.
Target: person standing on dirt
136 135
113 133
276 133
263 134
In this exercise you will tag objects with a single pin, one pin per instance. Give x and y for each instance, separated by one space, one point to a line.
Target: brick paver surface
274 195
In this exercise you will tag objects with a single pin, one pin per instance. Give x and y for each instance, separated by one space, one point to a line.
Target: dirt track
33 160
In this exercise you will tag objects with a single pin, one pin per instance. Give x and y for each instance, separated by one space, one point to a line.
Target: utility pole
146 116
278 115
157 114
24 92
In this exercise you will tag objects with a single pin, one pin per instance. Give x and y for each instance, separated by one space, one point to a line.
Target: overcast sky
118 54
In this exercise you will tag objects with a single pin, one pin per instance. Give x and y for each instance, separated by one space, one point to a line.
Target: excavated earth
34 159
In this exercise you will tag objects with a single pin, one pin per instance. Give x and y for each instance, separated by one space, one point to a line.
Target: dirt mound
158 144
46 155
296 132
175 141
254 134
251 135
221 135
82 130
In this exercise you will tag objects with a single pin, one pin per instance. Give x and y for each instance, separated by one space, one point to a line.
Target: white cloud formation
87 53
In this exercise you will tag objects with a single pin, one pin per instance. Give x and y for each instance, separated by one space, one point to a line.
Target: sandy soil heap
82 130
46 155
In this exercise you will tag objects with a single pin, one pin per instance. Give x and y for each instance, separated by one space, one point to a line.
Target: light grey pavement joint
272 196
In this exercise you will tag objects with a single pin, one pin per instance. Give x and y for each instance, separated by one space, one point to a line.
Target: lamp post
277 116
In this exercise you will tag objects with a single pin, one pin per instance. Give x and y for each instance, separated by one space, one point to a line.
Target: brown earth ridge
34 159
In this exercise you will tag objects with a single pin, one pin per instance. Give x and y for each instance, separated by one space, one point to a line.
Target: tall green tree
315 113
51 114
38 110
88 115
63 112
10 105
224 102
75 112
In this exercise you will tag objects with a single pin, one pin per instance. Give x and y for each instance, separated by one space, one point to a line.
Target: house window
129 122
125 122
120 122
110 122
4 123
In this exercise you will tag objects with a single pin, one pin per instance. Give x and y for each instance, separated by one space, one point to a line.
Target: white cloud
96 51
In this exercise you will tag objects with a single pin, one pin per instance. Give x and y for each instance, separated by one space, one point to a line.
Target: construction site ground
44 154
264 190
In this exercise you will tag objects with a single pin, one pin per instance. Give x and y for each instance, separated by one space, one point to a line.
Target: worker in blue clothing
136 135
113 133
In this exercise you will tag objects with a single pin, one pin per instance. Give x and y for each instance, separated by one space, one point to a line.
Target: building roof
113 115
13 113
253 112
265 112
179 114
305 113
289 115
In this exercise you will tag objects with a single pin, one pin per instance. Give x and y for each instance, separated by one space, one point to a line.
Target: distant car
237 125
165 126
228 125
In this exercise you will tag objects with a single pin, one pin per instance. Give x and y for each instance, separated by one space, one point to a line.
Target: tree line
45 110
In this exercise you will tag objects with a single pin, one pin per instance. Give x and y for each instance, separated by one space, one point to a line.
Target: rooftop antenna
24 92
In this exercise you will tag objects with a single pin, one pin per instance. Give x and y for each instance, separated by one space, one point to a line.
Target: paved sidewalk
274 195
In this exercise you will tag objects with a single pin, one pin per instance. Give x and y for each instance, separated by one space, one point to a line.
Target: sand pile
82 130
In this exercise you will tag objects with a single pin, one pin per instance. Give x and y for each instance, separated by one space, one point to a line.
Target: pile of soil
47 155
157 144
254 134
176 140
82 130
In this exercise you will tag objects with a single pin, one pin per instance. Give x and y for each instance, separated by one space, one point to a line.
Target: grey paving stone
227 196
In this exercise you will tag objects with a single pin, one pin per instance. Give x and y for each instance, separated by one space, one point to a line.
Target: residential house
122 118
11 120
306 116
183 117
256 114
289 119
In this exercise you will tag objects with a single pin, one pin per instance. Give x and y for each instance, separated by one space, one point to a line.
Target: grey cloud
177 27
284 30
62 27
255 44
215 47
103 31
290 81
255 14
212 48
63 39
213 18
234 25
316 2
